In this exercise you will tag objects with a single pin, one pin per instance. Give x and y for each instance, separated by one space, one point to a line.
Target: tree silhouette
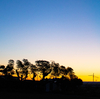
22 69
9 70
32 71
70 73
68 80
2 67
44 67
63 70
55 69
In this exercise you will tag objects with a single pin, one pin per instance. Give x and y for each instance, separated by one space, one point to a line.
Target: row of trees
25 68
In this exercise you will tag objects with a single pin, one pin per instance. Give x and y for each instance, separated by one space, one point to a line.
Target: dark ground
15 95
26 90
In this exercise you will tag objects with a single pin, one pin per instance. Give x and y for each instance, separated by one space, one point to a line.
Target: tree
55 69
62 70
9 70
2 67
44 67
32 71
70 73
22 69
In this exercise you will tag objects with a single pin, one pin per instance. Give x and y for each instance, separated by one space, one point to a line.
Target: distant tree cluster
60 75
25 68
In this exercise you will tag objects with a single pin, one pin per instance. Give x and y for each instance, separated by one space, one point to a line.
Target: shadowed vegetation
25 68
60 78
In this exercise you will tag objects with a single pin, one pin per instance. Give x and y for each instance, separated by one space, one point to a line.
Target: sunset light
64 31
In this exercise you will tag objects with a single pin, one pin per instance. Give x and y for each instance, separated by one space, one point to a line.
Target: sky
64 31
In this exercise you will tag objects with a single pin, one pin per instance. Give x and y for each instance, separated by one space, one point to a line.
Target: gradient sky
66 31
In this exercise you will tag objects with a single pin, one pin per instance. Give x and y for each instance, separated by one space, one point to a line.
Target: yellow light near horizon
85 77
89 78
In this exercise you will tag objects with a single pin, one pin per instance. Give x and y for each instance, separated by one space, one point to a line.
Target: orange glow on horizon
83 77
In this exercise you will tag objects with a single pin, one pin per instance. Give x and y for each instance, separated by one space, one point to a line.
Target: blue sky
66 31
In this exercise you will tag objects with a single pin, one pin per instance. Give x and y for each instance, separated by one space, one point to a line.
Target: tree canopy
26 69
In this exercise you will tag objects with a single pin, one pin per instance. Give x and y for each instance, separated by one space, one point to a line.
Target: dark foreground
38 90
86 91
15 95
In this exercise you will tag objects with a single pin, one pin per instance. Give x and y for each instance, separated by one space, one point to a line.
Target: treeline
25 68
63 79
